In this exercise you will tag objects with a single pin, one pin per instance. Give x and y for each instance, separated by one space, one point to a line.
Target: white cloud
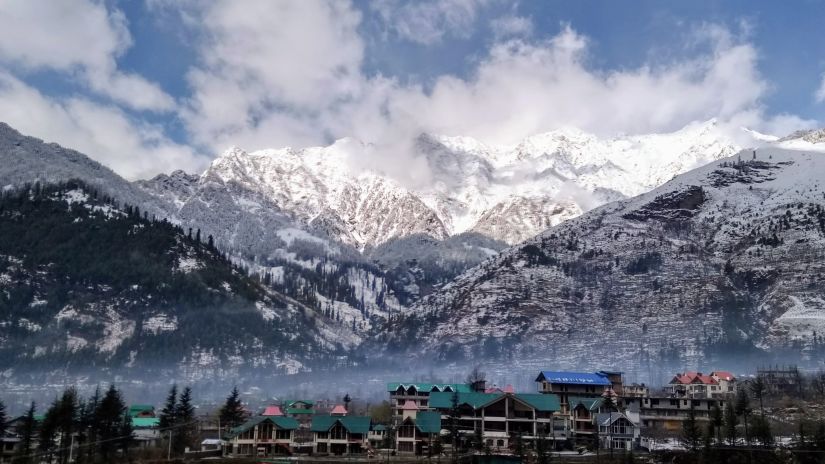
511 26
134 150
272 66
820 93
429 21
290 73
78 37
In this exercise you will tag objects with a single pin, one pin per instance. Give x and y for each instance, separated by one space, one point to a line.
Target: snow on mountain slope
507 193
720 262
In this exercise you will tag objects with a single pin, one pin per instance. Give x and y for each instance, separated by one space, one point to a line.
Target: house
583 410
726 381
211 444
694 385
616 431
340 435
668 414
419 394
377 435
262 436
500 416
579 384
145 431
300 410
416 435
141 410
9 445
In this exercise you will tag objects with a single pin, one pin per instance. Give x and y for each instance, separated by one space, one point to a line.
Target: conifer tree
167 414
185 428
126 434
109 420
27 432
716 420
232 412
743 409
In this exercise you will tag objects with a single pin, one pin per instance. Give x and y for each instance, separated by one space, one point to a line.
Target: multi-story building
668 414
418 394
578 384
635 390
340 435
416 435
698 385
500 416
262 436
583 410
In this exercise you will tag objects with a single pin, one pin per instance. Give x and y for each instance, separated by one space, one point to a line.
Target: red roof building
272 411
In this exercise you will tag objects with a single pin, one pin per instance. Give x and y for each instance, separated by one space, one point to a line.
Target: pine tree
167 414
109 419
758 388
184 433
232 412
27 432
89 422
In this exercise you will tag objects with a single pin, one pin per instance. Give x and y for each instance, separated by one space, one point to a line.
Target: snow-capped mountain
505 193
723 261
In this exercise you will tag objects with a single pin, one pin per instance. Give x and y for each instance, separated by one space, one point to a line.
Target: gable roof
444 400
428 422
379 428
540 401
281 422
338 410
136 409
145 422
273 410
724 375
610 418
409 405
573 378
353 424
430 387
691 377
591 404
292 403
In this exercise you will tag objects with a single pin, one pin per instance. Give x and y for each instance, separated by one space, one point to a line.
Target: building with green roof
340 435
416 434
418 394
263 436
501 415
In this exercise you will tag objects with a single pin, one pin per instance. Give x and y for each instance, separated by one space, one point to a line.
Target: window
281 434
500 443
322 447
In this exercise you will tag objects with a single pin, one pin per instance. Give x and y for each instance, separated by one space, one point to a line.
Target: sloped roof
353 424
460 387
473 399
299 411
136 409
339 410
273 410
379 428
286 423
540 401
724 375
409 405
292 403
609 418
428 422
573 378
591 404
145 422
691 377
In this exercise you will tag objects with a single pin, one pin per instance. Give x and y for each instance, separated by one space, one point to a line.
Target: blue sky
153 85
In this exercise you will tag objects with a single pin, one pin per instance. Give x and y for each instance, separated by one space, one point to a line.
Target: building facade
340 435
262 436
